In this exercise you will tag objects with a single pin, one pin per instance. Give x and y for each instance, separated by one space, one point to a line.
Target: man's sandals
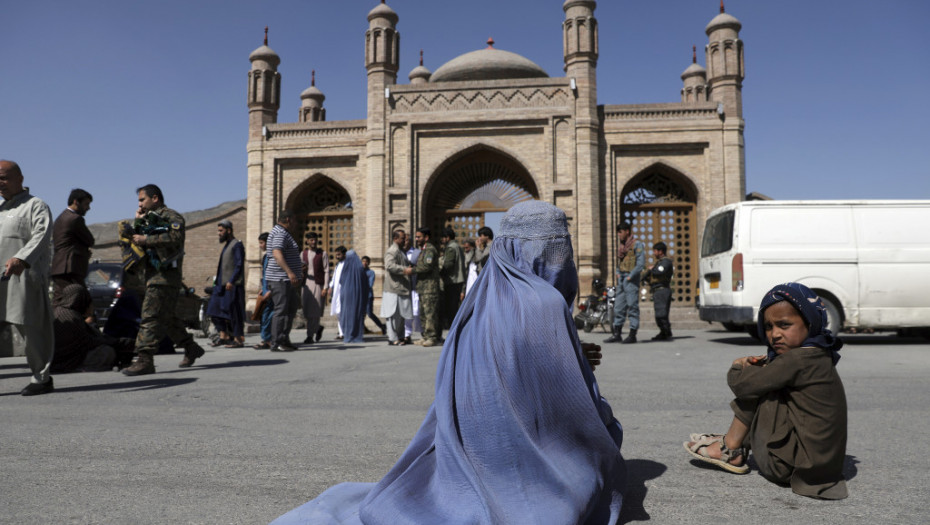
697 447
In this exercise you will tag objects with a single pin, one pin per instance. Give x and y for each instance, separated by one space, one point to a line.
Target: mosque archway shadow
638 471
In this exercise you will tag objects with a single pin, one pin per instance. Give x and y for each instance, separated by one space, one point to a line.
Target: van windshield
718 234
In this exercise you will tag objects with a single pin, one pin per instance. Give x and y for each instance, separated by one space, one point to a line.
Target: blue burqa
353 296
517 433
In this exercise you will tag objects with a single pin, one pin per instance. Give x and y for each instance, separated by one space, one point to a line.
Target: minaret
264 89
695 81
311 103
419 74
579 50
725 69
382 52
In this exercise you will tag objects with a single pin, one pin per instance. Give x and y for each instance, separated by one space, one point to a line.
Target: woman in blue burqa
353 291
517 433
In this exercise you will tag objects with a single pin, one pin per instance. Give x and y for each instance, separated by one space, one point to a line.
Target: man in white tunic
412 325
334 288
25 310
395 299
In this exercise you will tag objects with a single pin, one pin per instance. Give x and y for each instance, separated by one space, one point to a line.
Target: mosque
490 128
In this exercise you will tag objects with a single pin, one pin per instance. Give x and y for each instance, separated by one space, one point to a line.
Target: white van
868 260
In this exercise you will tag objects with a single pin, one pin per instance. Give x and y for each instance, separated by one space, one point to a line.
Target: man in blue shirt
366 261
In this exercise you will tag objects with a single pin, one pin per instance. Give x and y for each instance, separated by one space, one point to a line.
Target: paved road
245 435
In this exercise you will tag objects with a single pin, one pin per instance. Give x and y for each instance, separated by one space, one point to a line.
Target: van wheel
834 319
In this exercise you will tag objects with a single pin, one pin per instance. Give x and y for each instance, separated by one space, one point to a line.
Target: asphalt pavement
245 435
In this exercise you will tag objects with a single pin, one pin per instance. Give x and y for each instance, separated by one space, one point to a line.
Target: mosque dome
312 92
383 11
265 53
721 21
487 64
420 72
694 70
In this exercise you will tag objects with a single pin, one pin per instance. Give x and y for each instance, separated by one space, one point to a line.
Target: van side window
718 234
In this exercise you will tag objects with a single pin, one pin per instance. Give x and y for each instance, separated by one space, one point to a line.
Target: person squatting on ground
227 302
159 231
790 405
369 310
25 309
518 432
335 295
427 270
72 242
353 300
79 347
453 276
283 275
396 305
315 263
631 254
412 325
268 311
659 277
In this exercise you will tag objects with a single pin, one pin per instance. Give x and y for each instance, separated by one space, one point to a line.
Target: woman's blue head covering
353 290
811 309
518 432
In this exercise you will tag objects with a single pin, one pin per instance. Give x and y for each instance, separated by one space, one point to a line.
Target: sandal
698 449
262 346
234 344
221 342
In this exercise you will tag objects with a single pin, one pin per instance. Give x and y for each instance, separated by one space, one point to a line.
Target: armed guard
427 270
158 238
659 277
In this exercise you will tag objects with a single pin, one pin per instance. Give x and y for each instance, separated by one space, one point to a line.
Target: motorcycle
597 309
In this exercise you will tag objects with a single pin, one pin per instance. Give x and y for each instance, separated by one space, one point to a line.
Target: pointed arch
325 207
477 180
660 203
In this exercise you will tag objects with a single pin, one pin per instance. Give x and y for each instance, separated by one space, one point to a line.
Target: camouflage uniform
427 270
162 289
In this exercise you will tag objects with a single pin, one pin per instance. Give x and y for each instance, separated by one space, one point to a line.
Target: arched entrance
325 207
475 190
661 205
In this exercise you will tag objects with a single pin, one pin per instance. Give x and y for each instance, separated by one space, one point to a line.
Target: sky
109 95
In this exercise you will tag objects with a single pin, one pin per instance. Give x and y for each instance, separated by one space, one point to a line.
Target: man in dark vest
227 304
315 263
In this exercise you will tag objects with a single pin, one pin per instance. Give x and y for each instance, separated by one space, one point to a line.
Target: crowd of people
517 433
422 289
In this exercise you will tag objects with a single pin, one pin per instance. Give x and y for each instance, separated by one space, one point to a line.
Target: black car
105 281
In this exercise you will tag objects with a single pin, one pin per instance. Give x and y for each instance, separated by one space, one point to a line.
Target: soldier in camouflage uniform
160 232
427 270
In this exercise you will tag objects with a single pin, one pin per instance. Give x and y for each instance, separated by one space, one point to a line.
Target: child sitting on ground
790 406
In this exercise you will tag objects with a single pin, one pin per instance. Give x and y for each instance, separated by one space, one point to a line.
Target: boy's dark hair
263 236
660 246
366 258
77 194
469 242
624 226
448 232
487 232
312 235
341 249
152 191
424 230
